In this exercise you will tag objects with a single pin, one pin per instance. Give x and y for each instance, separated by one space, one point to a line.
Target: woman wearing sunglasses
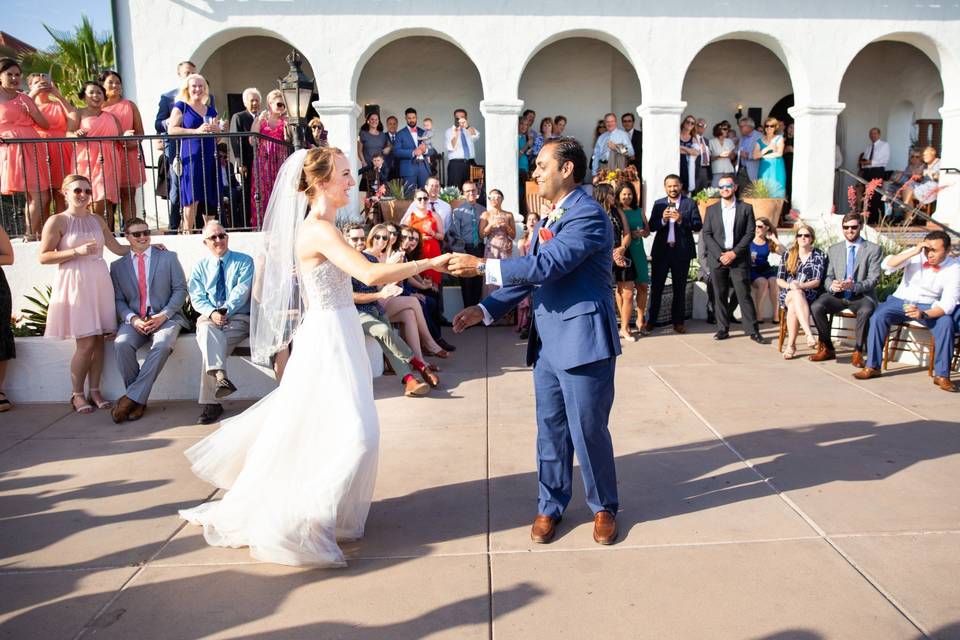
430 226
272 123
769 151
799 277
82 304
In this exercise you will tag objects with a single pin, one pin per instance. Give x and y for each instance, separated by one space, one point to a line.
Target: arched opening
896 87
431 75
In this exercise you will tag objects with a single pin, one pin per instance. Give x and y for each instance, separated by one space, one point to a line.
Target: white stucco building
844 66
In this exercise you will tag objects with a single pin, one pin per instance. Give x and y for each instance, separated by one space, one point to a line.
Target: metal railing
135 176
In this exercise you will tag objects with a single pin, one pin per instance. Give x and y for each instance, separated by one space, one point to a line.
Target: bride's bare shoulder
315 235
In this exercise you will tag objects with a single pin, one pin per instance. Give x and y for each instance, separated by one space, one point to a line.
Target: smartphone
323 136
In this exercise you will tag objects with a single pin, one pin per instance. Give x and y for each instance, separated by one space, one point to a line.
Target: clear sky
24 19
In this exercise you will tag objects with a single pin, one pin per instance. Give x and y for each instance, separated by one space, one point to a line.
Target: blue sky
24 19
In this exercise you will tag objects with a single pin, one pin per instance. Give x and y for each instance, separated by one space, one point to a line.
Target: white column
500 118
340 120
814 158
661 146
948 200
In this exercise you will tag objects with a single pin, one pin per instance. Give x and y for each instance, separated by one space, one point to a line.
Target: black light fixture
297 90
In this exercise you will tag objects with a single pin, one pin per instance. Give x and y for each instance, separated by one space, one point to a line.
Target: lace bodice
326 286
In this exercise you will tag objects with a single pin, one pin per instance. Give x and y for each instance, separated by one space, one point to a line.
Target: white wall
582 79
430 75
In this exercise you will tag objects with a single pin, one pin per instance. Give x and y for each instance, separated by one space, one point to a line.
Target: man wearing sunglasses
220 292
850 282
149 288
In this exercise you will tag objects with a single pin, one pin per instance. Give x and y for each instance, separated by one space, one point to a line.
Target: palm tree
75 57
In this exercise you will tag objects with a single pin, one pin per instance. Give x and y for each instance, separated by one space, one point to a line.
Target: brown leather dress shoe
945 384
866 373
604 528
679 328
121 411
823 353
544 528
858 360
137 412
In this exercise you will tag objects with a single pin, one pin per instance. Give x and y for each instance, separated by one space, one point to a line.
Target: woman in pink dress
497 230
99 159
269 155
19 163
82 305
59 112
132 171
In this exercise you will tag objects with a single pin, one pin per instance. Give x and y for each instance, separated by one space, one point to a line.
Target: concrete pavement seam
865 390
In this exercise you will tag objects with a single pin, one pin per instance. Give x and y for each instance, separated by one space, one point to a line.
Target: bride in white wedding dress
299 466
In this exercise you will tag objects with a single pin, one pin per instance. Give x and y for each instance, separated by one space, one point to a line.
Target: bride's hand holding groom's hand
441 263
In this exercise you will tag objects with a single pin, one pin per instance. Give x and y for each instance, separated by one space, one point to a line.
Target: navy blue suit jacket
571 277
405 149
685 248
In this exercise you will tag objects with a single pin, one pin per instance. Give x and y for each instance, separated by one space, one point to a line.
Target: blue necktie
851 266
475 225
466 147
220 290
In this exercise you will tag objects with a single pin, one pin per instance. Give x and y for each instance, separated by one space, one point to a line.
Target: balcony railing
135 176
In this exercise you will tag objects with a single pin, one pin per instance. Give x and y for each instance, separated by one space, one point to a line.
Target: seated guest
925 190
929 295
763 276
220 292
853 271
150 289
463 236
367 298
799 278
373 177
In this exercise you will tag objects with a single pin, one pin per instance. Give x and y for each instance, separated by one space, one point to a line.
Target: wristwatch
482 268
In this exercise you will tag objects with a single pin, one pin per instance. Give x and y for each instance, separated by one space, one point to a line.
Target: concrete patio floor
760 499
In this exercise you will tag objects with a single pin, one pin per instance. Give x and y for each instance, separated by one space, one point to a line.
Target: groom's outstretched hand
463 265
467 318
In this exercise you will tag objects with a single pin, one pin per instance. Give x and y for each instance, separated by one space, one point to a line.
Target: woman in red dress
431 231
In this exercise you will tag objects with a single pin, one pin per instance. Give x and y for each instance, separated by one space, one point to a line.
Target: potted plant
704 198
758 195
396 201
452 196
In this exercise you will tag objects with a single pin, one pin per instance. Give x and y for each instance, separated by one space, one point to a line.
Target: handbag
176 165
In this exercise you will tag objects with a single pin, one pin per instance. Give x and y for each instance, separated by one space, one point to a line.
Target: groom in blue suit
573 342
411 154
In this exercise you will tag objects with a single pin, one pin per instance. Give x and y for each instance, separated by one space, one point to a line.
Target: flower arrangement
618 176
449 194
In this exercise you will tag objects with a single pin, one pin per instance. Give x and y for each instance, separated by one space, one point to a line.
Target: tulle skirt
299 466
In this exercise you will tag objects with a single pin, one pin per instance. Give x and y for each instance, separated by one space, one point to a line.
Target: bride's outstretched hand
439 263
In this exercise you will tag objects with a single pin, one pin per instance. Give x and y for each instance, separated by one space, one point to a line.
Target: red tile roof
9 42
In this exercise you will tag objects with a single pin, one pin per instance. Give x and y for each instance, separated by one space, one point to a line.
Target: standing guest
636 140
242 151
612 140
545 133
497 231
272 123
8 350
428 223
689 151
463 236
704 159
133 173
98 160
412 154
461 140
799 277
925 189
318 134
728 230
747 167
372 139
763 276
82 302
769 151
674 219
525 246
928 294
437 206
722 152
853 272
219 288
59 113
559 124
524 145
624 273
788 158
873 165
193 113
639 229
392 164
149 289
19 168
529 117
169 147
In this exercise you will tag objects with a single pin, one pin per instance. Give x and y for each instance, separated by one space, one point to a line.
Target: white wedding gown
299 466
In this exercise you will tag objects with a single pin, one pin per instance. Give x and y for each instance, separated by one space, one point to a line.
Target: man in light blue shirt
745 162
220 288
613 139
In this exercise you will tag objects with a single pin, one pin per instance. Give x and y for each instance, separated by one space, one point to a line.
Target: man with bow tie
928 294
413 155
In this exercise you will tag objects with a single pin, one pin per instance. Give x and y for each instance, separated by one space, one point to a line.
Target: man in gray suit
852 275
149 288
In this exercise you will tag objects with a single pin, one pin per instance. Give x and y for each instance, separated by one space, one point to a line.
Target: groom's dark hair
569 150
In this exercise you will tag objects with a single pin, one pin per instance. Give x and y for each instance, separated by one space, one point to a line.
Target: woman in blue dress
192 113
769 151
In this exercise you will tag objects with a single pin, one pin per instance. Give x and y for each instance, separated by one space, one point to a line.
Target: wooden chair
476 176
537 203
896 341
836 333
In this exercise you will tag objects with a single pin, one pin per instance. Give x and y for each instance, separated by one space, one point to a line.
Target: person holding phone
461 141
624 272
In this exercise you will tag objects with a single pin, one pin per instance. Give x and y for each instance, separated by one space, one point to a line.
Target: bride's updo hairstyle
318 168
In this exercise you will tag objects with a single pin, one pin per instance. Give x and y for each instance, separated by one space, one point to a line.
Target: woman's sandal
83 408
443 355
789 352
103 404
4 403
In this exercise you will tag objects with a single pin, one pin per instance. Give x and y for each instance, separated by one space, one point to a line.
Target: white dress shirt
441 208
878 152
729 214
456 152
136 276
601 152
940 288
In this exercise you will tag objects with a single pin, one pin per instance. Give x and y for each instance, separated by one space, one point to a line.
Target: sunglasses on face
847 227
78 191
804 235
407 236
381 237
689 122
139 234
725 186
356 238
421 199
769 126
217 236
